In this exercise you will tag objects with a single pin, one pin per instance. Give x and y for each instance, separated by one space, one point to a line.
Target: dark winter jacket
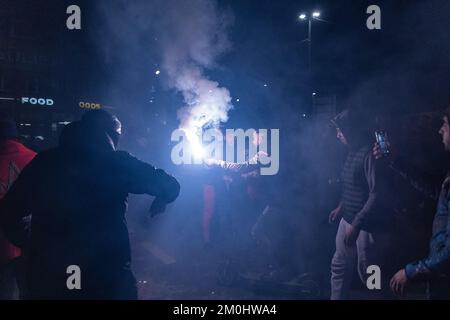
77 195
437 263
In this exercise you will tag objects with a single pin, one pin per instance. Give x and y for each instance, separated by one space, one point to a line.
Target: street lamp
310 17
303 17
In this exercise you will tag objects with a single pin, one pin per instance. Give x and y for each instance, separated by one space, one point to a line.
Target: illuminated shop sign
38 101
90 105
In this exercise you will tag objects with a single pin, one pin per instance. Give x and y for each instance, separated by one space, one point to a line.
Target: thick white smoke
190 36
207 104
195 35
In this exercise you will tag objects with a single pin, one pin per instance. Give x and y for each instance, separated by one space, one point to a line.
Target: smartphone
382 139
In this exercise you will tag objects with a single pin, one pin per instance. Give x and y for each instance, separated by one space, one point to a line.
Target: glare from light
302 16
157 72
314 93
316 14
195 143
197 149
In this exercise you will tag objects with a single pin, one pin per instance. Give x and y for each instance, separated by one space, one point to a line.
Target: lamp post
304 17
310 17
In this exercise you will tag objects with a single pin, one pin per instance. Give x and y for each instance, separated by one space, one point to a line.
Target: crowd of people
365 234
66 207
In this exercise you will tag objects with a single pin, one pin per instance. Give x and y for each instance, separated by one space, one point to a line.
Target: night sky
402 68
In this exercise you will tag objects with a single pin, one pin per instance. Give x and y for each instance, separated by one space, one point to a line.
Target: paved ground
162 276
171 263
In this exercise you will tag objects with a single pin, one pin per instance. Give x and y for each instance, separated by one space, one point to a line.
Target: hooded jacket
361 183
77 195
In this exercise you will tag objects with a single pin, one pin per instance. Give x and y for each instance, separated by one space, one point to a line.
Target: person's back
77 194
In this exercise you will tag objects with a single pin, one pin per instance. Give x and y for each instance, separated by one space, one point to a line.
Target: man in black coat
77 195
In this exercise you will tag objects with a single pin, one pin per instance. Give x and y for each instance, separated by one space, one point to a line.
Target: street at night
230 150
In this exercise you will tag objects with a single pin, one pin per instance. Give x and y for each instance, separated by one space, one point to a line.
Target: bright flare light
207 113
316 14
197 150
302 16
194 138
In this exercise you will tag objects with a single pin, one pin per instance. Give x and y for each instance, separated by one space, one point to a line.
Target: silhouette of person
77 195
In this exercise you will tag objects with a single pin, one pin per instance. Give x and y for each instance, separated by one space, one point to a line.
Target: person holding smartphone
362 238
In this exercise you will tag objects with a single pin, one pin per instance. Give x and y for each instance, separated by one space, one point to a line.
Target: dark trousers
101 285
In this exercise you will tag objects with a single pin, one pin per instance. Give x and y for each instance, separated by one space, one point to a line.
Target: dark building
33 80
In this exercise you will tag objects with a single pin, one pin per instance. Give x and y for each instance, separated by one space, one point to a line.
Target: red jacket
14 156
